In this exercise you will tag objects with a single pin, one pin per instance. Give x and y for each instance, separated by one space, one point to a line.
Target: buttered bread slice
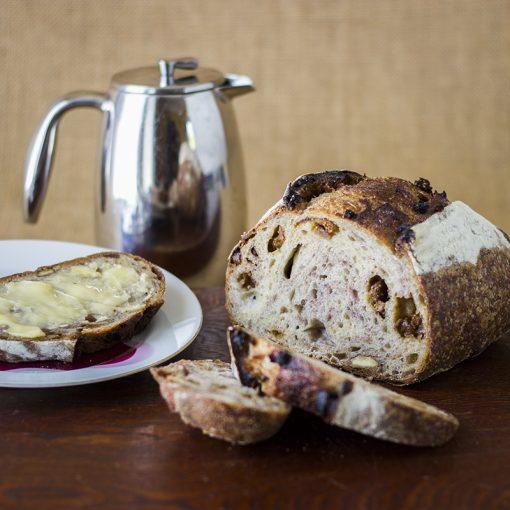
79 306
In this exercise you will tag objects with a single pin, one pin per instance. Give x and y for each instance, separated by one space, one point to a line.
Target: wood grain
115 445
389 87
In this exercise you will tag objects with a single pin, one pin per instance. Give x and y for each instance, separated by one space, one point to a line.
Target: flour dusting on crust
455 235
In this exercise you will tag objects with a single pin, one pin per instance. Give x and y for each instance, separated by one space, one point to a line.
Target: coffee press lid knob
170 77
167 67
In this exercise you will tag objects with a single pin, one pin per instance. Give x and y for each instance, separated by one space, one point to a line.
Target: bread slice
380 277
206 395
337 397
79 306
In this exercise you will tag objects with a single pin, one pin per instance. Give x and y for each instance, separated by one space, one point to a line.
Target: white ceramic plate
171 330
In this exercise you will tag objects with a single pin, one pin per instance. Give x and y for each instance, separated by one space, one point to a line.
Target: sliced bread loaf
207 396
79 306
337 397
380 277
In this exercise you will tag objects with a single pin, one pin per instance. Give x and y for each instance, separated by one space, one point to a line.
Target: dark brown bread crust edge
92 339
468 309
318 388
386 207
235 424
300 191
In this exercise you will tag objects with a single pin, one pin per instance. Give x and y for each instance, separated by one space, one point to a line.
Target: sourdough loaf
79 306
206 395
337 397
381 277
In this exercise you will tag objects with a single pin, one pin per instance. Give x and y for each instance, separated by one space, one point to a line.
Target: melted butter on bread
69 296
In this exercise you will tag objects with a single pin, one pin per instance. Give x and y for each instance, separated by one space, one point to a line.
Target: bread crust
469 309
228 421
337 397
467 303
387 207
90 339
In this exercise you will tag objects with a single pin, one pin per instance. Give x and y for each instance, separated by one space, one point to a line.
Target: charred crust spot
240 344
282 358
240 340
235 256
349 214
421 207
90 318
441 201
326 402
276 240
432 203
247 379
387 206
246 281
346 387
405 234
399 190
424 185
378 294
306 187
253 251
386 214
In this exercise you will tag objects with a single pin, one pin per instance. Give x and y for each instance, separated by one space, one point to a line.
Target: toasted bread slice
207 396
78 306
337 397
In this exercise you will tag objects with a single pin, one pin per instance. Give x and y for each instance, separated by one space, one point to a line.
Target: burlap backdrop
405 88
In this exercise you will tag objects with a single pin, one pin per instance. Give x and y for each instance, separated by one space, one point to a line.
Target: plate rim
110 377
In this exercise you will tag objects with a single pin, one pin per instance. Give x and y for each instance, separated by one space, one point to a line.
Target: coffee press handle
42 148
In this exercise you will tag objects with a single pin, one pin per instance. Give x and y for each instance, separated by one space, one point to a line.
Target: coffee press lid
170 77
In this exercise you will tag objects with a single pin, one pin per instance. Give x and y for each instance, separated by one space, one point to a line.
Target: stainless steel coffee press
171 179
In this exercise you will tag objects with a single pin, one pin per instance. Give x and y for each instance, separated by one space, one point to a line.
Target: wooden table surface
115 445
